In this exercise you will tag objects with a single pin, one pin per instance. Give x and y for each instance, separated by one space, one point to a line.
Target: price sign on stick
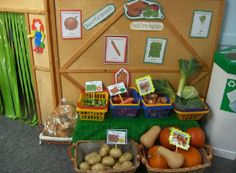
145 85
117 88
179 138
93 86
116 136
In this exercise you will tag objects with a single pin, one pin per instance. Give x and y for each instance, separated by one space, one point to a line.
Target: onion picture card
71 24
201 24
116 49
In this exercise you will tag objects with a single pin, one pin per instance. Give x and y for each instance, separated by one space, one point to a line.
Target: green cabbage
189 92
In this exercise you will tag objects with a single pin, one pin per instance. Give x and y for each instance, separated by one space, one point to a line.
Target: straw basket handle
209 151
142 153
69 153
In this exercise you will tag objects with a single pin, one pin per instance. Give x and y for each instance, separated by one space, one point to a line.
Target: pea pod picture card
201 24
100 16
155 50
143 9
71 24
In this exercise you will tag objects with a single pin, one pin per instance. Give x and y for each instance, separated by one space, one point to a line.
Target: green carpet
94 130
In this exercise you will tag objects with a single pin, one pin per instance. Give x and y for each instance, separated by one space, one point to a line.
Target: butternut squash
149 138
174 159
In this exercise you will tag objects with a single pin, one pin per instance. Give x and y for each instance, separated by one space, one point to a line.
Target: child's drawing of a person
38 33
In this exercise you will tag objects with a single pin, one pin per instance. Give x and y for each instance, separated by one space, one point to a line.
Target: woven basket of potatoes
97 156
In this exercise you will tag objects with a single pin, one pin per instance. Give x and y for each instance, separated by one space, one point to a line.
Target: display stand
94 130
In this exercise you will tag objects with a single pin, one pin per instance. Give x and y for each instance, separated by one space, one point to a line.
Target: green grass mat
94 130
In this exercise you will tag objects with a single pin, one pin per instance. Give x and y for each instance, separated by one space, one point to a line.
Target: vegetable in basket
187 97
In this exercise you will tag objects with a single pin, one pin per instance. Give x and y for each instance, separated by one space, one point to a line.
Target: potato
95 158
84 166
127 156
115 152
97 167
108 161
104 150
126 165
117 166
87 156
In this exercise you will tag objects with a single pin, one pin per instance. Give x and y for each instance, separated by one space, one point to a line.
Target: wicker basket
80 148
191 115
92 113
205 151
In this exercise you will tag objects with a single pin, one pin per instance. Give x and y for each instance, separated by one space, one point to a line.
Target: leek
187 68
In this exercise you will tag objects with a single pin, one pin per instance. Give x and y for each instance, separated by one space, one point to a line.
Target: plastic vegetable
183 104
163 87
189 92
197 136
187 68
155 160
192 157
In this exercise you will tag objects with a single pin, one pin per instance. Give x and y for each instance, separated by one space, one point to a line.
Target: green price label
229 99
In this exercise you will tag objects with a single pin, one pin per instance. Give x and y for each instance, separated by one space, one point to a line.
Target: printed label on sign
229 99
116 136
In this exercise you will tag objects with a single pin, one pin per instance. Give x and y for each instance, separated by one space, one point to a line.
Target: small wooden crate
77 150
205 151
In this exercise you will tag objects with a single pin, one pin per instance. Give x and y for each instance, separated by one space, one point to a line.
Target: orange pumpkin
197 136
192 157
164 138
155 160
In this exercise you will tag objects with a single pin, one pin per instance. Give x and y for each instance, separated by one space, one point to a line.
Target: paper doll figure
38 33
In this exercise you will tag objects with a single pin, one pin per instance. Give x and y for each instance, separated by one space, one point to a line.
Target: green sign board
229 99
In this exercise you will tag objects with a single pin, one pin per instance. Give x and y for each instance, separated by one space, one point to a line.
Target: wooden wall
83 59
66 64
42 64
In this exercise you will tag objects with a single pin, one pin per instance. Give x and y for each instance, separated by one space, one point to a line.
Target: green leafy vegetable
189 104
148 12
163 87
187 68
189 92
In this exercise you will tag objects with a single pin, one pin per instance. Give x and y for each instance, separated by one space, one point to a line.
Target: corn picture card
145 85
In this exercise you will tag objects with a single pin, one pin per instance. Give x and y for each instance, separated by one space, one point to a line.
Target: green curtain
15 72
1 105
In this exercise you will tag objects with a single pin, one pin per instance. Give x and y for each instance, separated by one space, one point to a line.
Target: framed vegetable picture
71 24
116 49
155 50
201 24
